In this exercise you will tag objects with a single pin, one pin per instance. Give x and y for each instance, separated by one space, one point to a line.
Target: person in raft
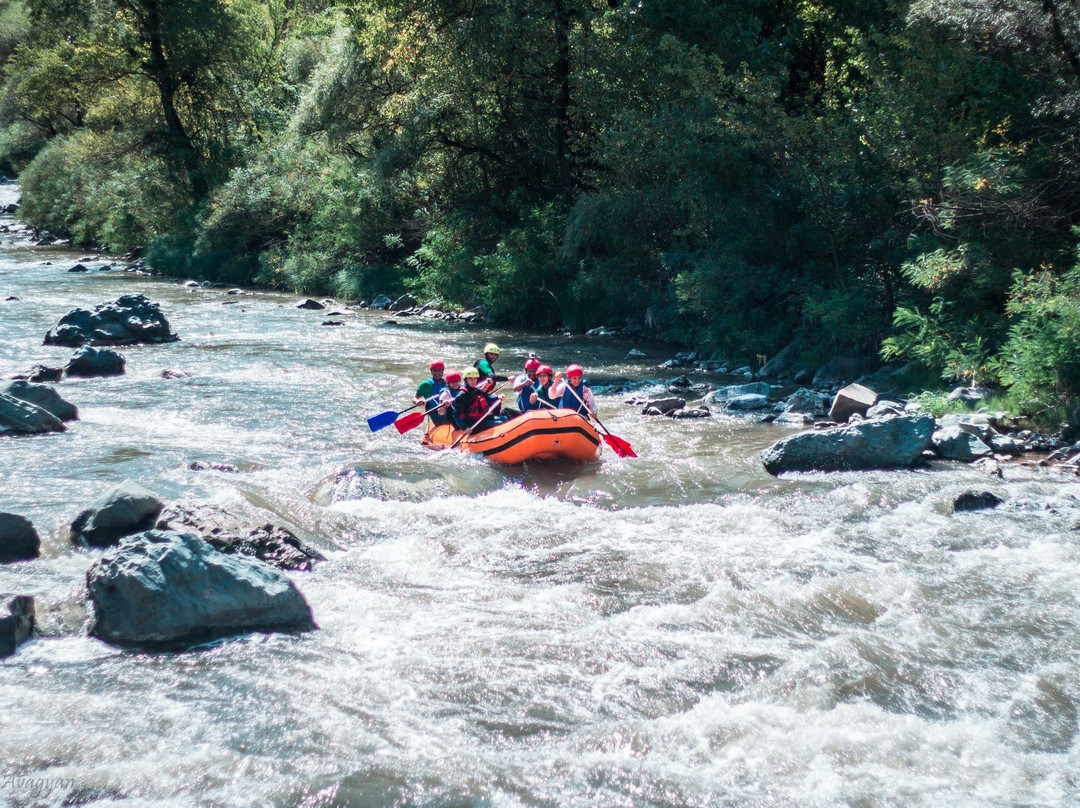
543 396
525 386
427 393
486 367
574 394
452 390
473 403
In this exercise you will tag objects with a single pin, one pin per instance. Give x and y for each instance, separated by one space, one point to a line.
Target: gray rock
314 305
22 417
129 508
696 412
161 589
128 320
793 419
404 302
18 539
884 410
780 364
806 401
954 443
43 373
976 501
634 354
747 402
229 534
969 395
722 394
43 396
381 302
664 405
90 361
885 444
851 400
16 622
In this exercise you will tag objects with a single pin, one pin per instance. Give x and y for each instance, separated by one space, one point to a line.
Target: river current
677 630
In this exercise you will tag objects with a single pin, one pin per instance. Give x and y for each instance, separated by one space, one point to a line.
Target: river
677 630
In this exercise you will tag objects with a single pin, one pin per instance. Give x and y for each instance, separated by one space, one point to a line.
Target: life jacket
573 398
437 386
470 406
447 417
524 401
544 394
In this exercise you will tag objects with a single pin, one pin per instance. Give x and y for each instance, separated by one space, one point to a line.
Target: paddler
525 386
473 403
544 389
485 367
429 389
446 399
575 394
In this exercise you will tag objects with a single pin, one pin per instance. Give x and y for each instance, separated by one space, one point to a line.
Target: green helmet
470 373
491 347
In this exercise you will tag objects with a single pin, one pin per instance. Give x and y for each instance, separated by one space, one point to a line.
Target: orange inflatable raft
534 435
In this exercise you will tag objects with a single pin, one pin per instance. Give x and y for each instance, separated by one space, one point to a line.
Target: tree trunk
562 97
160 73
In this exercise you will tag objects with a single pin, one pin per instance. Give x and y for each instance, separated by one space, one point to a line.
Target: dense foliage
901 176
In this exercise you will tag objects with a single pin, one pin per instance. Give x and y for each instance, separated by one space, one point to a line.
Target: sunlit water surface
676 630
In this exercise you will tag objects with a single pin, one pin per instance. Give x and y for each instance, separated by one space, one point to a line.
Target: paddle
384 419
469 431
619 446
412 420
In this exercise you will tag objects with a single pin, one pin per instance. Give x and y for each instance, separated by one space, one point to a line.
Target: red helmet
575 370
436 364
532 364
453 376
545 369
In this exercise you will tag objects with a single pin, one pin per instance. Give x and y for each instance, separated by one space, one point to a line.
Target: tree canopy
899 177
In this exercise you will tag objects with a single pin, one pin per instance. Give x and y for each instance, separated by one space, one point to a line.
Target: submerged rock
976 501
18 539
128 320
885 444
229 534
314 305
126 509
161 589
16 622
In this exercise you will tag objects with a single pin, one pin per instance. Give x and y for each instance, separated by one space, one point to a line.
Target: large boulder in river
22 417
161 589
43 396
16 622
129 508
886 444
806 401
18 539
274 544
90 361
128 320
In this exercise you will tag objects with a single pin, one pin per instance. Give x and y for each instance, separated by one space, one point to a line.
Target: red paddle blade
407 422
619 446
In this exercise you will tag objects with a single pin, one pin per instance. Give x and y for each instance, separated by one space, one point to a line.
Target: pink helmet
575 370
532 364
453 376
545 369
436 364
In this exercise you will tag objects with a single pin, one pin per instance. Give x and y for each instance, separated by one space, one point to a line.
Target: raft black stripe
562 430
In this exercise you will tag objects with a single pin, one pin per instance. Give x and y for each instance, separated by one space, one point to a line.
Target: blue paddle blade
381 421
